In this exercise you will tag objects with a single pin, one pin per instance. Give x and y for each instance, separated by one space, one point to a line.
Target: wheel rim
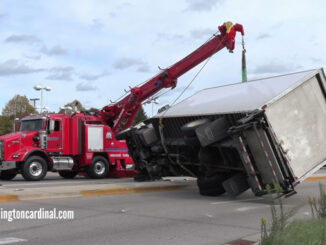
35 169
99 168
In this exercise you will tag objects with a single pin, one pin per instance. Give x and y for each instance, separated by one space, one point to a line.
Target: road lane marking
7 240
244 209
235 200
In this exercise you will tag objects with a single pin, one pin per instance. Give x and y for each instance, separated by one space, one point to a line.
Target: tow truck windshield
31 125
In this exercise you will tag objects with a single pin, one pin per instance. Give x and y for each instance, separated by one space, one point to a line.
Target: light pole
34 101
152 101
38 88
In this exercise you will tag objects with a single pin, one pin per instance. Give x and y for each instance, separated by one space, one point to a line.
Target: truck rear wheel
68 174
34 168
211 186
8 174
99 168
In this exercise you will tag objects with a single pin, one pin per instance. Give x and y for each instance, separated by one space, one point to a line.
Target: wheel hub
99 168
35 169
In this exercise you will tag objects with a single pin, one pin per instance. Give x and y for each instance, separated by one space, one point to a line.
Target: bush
297 232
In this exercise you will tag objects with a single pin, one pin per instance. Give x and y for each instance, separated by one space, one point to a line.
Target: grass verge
299 232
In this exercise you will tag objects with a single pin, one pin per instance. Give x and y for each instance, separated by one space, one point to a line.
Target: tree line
19 106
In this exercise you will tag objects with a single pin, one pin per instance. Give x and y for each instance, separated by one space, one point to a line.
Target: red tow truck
83 143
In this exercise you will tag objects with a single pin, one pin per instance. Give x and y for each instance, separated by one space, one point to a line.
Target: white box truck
238 136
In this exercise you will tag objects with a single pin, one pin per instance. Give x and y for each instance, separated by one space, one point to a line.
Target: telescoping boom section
121 114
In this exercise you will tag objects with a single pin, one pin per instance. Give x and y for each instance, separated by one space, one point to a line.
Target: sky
94 50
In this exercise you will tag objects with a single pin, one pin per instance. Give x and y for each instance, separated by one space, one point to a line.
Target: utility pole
34 101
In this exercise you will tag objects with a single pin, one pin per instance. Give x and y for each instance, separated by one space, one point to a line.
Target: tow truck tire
7 174
34 168
68 174
99 168
211 186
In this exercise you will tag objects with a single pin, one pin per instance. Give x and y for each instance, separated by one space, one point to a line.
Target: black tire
192 141
142 176
99 168
8 174
189 128
68 174
34 168
211 186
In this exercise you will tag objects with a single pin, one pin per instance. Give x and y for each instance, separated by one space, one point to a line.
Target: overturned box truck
238 136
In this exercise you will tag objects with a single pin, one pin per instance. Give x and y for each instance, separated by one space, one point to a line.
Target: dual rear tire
211 186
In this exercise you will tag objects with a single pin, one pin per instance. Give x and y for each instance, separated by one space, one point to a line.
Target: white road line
7 240
235 200
243 209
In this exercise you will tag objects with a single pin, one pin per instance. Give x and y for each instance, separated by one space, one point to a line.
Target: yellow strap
161 122
228 26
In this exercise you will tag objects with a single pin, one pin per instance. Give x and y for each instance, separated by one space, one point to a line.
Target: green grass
305 232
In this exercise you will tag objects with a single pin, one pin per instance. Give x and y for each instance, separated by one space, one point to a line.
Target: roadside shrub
280 217
297 232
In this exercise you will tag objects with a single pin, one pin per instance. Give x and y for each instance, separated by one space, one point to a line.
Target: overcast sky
91 50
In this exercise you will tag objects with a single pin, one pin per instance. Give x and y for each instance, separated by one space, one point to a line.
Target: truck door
54 135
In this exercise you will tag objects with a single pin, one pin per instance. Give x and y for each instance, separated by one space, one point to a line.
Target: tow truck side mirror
16 125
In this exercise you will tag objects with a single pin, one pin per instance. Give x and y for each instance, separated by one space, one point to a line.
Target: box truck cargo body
247 135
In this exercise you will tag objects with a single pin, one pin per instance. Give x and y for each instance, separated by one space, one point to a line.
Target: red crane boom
121 114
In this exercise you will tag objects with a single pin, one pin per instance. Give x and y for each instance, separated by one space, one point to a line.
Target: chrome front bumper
6 165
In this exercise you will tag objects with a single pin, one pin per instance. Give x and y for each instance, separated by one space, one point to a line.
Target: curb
315 178
119 191
9 198
247 240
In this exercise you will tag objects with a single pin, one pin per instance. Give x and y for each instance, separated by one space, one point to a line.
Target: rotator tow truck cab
65 144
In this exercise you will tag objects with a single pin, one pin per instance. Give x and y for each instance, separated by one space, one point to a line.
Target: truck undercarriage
209 148
262 143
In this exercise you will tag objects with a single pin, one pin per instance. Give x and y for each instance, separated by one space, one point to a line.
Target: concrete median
73 191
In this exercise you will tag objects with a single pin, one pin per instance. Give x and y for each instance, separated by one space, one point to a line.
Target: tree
141 116
18 106
93 110
6 125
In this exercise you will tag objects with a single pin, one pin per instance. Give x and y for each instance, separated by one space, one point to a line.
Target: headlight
1 150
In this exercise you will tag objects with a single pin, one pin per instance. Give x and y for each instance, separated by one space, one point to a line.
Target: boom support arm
121 114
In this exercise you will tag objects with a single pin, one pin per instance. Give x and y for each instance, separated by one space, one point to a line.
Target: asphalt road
173 217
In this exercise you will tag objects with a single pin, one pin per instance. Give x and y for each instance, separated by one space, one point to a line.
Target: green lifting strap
244 66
